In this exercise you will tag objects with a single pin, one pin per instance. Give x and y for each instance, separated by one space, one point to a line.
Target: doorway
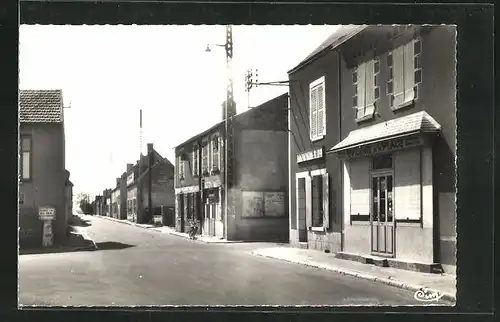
382 219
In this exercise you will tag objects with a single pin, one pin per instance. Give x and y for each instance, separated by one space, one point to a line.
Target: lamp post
229 112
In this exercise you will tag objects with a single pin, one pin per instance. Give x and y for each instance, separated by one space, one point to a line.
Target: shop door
382 219
209 219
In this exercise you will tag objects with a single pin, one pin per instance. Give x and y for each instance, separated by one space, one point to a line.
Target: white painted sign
274 203
46 213
48 236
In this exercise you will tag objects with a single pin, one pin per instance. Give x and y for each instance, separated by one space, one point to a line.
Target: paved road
137 266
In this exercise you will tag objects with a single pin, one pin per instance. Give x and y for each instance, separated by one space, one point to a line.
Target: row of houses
147 184
44 180
357 159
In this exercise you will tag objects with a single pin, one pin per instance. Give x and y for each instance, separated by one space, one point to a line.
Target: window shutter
308 203
409 71
398 75
326 201
321 110
360 186
361 87
369 88
210 155
407 185
313 110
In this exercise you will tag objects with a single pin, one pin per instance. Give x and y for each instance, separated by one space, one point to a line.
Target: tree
85 204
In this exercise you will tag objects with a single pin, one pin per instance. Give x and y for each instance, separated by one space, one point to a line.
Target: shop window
317 114
405 73
381 162
365 88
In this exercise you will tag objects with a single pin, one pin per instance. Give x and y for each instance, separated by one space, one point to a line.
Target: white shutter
360 186
361 89
326 201
407 184
409 72
313 110
320 90
398 75
369 88
308 202
210 155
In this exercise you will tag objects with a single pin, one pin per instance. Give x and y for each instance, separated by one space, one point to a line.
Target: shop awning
416 123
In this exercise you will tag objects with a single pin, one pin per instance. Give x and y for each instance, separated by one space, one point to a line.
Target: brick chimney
117 182
129 167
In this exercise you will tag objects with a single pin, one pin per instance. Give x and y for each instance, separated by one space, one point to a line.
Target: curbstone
388 281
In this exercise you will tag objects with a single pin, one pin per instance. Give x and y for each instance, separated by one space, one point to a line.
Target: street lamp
228 151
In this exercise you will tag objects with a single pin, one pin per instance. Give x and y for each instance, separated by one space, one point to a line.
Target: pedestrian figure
193 229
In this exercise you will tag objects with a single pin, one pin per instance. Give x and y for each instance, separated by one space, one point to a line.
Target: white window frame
205 148
25 153
308 177
215 155
370 85
195 159
319 135
410 90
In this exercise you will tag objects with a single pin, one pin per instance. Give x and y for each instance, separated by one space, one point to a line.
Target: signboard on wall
382 147
263 204
274 203
46 213
253 204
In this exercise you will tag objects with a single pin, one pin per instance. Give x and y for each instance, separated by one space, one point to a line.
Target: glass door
382 219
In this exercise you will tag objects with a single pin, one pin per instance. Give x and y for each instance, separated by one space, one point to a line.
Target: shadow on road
112 246
78 221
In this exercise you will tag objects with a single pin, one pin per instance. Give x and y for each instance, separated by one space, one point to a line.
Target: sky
108 73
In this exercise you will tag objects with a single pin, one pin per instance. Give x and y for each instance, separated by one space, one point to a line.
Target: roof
414 123
41 106
236 117
341 35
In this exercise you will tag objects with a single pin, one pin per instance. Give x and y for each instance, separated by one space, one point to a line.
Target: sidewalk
171 231
432 283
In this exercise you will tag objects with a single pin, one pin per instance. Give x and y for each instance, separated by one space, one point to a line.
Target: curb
205 241
387 281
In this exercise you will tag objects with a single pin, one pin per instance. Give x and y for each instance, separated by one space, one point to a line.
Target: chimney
117 182
129 167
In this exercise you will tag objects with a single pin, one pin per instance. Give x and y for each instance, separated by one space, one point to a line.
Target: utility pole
139 185
249 82
229 137
150 182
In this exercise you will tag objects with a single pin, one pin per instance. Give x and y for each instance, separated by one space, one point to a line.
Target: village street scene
237 165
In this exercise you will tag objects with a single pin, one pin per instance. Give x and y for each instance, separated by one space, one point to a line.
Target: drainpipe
201 208
342 231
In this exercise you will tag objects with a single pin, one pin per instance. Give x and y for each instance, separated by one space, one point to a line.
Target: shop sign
381 147
310 155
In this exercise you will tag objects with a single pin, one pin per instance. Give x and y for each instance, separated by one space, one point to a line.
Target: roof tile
40 106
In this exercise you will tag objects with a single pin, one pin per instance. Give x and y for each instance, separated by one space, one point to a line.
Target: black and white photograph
237 165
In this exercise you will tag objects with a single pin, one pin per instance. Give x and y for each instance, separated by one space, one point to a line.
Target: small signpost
47 214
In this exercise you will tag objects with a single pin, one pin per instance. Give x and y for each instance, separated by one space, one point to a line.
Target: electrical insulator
256 77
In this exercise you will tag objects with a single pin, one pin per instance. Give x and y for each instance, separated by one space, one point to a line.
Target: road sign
46 213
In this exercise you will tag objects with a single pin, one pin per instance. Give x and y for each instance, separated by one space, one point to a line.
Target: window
405 73
215 153
21 198
25 161
204 158
317 117
181 168
316 199
195 154
380 162
365 88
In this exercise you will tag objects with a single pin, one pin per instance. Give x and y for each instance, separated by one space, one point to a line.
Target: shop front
388 192
186 207
212 212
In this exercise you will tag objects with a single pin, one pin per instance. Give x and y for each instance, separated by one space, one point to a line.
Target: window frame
205 157
416 58
313 86
195 159
181 172
369 85
215 146
21 158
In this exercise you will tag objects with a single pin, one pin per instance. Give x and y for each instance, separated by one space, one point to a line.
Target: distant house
260 177
43 180
375 175
162 189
